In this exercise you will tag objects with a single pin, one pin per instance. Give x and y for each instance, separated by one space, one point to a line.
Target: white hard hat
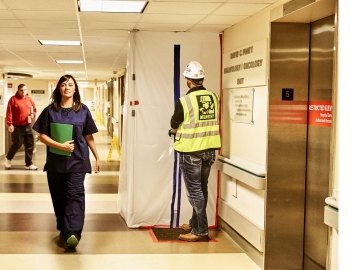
194 70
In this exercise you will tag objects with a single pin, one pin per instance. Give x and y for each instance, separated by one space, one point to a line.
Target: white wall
246 144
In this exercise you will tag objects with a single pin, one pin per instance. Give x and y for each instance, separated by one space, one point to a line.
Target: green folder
60 133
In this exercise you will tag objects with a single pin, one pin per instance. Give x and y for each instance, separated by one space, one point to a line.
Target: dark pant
20 136
68 198
196 170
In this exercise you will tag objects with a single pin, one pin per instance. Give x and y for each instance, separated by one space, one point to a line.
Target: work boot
186 227
189 237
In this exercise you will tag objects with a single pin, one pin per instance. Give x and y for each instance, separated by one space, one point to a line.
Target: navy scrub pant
68 198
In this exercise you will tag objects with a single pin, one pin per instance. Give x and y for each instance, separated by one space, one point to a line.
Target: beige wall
247 143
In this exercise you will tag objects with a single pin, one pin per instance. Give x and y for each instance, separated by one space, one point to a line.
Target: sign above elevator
245 66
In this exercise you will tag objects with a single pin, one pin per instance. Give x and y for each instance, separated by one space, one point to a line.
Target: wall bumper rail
252 177
331 213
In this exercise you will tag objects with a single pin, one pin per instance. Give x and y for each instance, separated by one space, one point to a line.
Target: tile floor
29 239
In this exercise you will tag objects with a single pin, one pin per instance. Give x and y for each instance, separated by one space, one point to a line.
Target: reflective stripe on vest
200 128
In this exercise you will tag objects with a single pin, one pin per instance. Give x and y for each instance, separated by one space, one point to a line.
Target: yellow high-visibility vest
200 128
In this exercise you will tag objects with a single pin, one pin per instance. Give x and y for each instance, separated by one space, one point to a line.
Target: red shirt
18 110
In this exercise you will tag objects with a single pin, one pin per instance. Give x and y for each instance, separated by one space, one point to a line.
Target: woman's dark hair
56 95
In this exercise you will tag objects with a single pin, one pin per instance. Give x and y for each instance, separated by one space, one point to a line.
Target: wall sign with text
246 66
313 113
320 113
242 105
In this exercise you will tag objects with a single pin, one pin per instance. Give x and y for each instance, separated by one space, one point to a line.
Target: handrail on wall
252 179
331 213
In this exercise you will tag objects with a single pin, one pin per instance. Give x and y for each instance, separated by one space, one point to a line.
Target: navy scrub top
83 124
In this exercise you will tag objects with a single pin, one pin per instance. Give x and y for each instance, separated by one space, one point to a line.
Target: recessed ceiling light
18 75
69 61
60 42
112 6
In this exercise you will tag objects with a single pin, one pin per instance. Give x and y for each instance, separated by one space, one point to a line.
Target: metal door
318 142
300 115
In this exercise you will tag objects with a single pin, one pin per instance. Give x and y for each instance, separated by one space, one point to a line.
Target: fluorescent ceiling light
112 6
69 61
60 42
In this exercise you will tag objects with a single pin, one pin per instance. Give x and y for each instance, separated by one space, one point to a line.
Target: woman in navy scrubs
66 172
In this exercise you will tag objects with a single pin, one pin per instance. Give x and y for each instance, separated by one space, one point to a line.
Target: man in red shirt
20 112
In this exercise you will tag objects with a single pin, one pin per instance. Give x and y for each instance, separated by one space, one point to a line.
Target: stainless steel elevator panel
287 138
300 117
318 149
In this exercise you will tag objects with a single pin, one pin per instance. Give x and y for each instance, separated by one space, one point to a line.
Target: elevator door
300 114
318 142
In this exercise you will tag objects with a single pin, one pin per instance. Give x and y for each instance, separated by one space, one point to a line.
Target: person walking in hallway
195 125
20 112
67 159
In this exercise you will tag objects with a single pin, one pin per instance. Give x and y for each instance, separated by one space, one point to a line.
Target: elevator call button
287 94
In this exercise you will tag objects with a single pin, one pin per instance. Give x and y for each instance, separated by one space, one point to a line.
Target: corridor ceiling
104 36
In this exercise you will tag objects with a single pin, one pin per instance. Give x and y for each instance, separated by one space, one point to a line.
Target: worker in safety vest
195 126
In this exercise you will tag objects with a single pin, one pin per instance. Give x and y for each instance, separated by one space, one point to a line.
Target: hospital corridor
29 239
216 124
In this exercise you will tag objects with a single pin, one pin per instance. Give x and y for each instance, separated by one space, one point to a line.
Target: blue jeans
196 170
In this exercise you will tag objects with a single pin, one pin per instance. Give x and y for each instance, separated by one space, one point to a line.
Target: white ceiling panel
27 47
168 27
10 24
7 57
222 20
239 9
41 4
19 31
66 55
110 25
22 40
209 27
104 36
173 18
61 49
5 15
36 58
180 8
48 33
41 15
53 24
124 34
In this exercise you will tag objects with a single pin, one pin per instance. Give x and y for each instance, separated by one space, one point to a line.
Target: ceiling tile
239 9
180 8
104 36
222 20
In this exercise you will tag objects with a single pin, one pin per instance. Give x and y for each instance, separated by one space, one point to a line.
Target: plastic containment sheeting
150 189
